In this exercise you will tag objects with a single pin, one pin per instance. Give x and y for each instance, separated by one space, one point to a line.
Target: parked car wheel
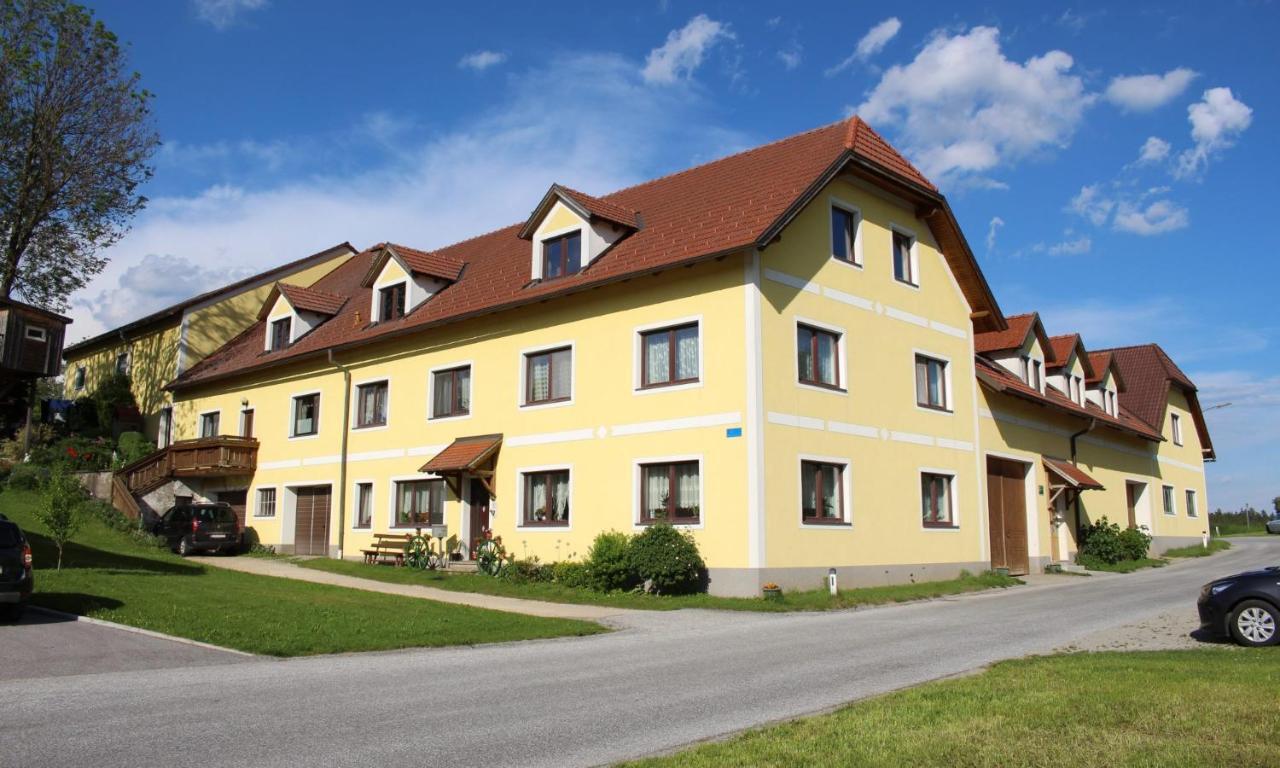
1254 623
184 547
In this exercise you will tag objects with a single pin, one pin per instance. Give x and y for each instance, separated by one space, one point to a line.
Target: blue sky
1112 166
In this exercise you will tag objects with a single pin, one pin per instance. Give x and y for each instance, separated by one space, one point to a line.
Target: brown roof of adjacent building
1100 362
305 299
463 454
428 263
723 207
1011 337
1075 476
1148 373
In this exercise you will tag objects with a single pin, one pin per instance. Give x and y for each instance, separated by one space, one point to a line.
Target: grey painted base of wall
746 582
1159 544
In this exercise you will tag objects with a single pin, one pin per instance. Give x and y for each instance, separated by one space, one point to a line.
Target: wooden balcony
219 456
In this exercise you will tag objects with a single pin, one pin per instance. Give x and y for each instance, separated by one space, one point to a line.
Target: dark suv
16 577
202 527
1245 606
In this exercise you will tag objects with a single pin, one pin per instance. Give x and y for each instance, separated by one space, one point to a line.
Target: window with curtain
1175 426
931 383
935 500
451 392
670 492
209 424
1191 503
266 503
844 226
548 376
306 415
546 498
561 255
371 405
391 302
280 331
903 265
364 505
669 356
818 353
821 492
1167 499
419 503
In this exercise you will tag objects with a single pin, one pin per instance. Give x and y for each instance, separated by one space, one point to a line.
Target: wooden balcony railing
206 457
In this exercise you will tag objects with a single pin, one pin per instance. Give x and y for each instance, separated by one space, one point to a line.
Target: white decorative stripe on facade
668 425
850 299
792 280
285 464
1181 464
911 437
858 430
861 430
425 450
950 330
958 445
568 436
906 317
391 453
792 420
316 461
1083 439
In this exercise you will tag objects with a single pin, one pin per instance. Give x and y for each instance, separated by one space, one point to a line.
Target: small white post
832 585
1205 536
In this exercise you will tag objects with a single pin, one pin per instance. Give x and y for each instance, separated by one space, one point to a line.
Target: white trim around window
431 389
955 499
1191 503
257 502
842 362
948 394
376 302
915 256
540 238
523 361
293 404
373 504
637 359
200 422
519 496
636 480
856 212
355 403
1175 428
846 492
1168 492
392 496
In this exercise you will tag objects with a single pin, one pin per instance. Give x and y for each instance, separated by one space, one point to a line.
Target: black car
16 577
201 527
1245 606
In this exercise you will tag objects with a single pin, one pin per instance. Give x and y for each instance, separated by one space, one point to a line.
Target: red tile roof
1148 373
306 299
604 209
1075 476
722 207
463 454
1010 338
1100 362
421 262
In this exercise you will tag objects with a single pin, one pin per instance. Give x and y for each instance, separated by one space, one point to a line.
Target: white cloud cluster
479 61
1216 121
1143 93
1154 150
1091 204
790 56
964 108
684 50
992 229
221 14
1155 218
870 44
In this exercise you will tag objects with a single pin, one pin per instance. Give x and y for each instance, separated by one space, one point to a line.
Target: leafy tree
61 499
75 143
1276 503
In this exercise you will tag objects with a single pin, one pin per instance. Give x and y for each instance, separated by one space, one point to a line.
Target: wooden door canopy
474 455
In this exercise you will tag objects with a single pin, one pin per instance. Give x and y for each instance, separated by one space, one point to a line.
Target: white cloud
223 13
1076 247
1092 204
790 56
1143 93
1154 150
1156 218
1216 121
682 53
428 192
964 109
482 60
871 43
164 280
992 228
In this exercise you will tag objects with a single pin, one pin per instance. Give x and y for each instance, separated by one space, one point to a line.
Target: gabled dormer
292 311
1070 368
1023 349
1106 384
401 278
569 230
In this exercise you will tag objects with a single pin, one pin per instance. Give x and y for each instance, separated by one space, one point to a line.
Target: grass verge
1124 566
813 600
1196 550
107 575
1083 710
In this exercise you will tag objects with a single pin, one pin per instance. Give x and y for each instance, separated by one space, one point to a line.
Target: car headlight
1221 587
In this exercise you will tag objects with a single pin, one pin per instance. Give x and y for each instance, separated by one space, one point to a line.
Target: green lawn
106 575
814 600
1196 550
1124 566
1210 707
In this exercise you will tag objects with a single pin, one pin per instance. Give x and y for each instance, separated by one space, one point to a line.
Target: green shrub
1108 543
570 574
608 565
132 446
112 394
666 561
78 454
109 515
27 476
1135 542
527 571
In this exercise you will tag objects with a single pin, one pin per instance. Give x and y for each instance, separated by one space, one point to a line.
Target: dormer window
391 302
1033 372
281 333
561 255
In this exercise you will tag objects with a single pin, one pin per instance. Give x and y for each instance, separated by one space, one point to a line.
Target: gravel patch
1172 631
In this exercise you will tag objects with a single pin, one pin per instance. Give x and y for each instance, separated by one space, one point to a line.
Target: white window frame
914 253
540 239
948 396
293 405
842 369
846 492
200 422
431 390
636 488
519 497
637 356
392 496
35 333
378 288
355 399
1172 510
373 504
955 499
1175 428
257 502
523 361
1193 508
856 212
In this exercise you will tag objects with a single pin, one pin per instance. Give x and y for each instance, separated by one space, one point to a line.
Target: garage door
1007 509
237 501
311 521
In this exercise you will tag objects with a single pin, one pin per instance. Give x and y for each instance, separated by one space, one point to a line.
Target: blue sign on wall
733 432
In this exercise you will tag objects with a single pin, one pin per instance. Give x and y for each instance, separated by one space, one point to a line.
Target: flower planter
772 593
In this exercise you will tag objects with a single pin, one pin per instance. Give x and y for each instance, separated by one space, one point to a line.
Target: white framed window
1175 426
362 517
668 489
265 504
938 499
669 355
820 356
562 254
304 415
826 494
547 376
281 334
1191 504
846 233
1166 499
906 260
1033 372
449 391
544 497
36 333
372 404
77 381
933 382
391 300
210 423
122 363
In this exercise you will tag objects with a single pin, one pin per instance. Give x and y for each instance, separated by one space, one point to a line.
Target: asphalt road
664 680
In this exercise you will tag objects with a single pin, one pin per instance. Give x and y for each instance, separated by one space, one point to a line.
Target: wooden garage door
237 501
1007 508
311 521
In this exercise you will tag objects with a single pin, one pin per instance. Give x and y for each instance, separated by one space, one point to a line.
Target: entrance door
479 522
1131 494
237 500
1007 510
311 521
246 423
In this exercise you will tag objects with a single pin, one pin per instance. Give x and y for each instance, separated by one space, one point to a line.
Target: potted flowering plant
771 591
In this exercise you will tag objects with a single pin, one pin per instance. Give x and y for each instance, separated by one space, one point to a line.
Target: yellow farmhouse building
790 352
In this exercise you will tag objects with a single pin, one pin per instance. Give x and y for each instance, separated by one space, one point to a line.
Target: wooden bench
387 547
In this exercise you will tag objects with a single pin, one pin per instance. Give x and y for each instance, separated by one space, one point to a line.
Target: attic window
36 334
391 302
561 255
281 330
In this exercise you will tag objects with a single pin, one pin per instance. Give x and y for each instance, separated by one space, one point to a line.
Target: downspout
342 454
1076 502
